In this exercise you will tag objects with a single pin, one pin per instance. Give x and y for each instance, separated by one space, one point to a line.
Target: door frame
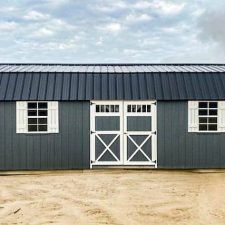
121 132
92 129
152 134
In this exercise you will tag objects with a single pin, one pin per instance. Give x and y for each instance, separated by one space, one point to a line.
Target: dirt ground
114 197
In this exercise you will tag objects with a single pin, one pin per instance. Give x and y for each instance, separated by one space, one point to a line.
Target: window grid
37 116
138 108
208 116
107 108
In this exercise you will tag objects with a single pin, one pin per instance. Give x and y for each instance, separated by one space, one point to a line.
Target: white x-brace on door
123 133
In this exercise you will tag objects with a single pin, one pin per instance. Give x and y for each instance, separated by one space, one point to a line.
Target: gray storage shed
80 116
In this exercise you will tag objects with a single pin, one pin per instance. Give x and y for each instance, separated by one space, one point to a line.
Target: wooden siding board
85 134
2 140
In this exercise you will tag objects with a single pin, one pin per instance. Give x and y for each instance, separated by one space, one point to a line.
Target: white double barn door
123 133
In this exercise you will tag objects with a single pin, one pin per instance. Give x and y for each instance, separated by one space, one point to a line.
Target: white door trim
123 134
95 134
149 134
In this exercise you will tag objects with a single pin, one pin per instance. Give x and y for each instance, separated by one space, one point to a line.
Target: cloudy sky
112 31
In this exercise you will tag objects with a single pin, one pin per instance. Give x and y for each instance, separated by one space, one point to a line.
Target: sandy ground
114 197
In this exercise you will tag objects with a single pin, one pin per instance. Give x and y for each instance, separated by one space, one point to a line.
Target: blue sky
112 31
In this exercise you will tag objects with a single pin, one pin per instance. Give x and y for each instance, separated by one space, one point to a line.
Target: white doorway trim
119 109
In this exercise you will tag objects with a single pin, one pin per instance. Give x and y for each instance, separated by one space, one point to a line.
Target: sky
112 31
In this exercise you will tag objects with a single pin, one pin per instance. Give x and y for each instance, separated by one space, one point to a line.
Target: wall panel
69 149
179 149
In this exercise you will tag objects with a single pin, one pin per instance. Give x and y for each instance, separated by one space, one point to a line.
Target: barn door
123 133
106 133
140 133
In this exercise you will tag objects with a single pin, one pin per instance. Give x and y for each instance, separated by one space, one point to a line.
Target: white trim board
123 133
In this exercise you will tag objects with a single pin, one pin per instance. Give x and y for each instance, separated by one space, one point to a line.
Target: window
138 108
37 117
106 108
207 116
37 113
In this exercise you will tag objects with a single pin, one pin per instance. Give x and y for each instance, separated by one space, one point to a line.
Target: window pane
202 127
117 108
129 108
202 119
42 120
213 105
107 108
202 105
133 108
97 108
32 128
213 112
102 108
42 128
212 127
32 112
203 112
148 108
144 108
32 105
112 108
42 113
43 105
138 108
32 121
213 120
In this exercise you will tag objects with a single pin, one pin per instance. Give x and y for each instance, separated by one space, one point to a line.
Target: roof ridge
114 64
112 68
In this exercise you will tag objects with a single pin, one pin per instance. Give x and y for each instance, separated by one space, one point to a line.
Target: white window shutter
221 116
53 118
21 117
192 116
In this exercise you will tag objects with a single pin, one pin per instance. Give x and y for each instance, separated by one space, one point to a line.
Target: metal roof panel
137 81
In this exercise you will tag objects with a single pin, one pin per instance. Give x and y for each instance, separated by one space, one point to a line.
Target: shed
82 116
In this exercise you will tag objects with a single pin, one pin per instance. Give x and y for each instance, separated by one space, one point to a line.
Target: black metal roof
68 82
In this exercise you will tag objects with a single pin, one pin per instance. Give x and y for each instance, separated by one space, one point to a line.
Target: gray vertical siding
69 149
179 149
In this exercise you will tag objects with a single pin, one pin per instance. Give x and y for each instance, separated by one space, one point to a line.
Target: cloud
35 16
8 26
57 2
110 6
168 8
142 4
211 26
43 32
8 9
165 7
111 28
162 6
135 18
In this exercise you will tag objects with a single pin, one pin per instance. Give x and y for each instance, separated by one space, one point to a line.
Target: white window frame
22 117
193 116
